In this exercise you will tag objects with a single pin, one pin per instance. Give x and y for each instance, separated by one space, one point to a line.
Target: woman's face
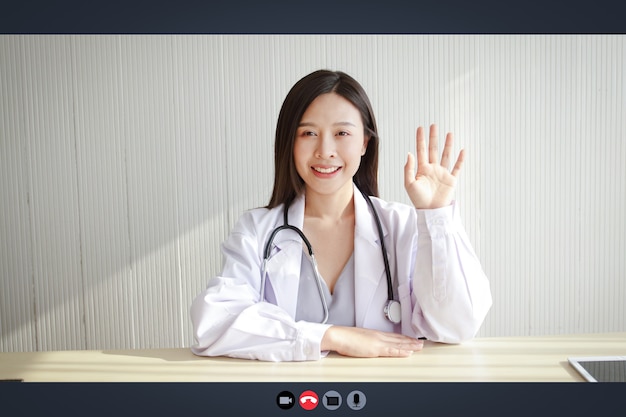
329 143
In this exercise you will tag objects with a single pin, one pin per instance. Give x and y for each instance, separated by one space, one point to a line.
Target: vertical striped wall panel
150 133
17 307
202 166
126 160
103 193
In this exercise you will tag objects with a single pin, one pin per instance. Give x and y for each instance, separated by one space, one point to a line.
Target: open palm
432 186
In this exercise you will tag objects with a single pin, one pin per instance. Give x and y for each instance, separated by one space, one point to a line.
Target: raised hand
432 186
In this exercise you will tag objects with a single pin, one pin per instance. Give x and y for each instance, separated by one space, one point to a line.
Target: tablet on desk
601 368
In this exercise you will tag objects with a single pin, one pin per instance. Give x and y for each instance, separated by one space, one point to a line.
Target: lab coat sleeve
229 320
451 293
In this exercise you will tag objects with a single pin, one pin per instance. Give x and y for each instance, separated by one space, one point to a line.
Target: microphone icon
356 400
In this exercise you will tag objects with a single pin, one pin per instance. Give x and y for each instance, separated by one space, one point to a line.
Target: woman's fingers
433 157
409 170
420 144
447 150
459 163
394 344
403 347
433 144
431 154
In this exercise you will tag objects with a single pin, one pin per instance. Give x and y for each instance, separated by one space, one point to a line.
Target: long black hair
287 183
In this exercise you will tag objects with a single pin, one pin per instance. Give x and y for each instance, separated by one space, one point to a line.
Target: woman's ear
365 142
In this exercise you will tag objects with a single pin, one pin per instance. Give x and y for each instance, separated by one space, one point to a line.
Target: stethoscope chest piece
393 312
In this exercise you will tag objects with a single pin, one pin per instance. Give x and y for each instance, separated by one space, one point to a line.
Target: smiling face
330 141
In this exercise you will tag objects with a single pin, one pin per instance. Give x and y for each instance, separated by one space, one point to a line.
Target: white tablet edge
575 362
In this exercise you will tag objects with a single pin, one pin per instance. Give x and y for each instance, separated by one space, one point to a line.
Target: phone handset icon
309 400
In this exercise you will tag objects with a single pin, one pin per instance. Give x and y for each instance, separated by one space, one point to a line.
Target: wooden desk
519 359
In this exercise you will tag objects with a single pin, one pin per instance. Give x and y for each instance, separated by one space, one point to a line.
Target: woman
326 164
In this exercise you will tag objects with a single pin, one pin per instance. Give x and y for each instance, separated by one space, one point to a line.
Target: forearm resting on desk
367 343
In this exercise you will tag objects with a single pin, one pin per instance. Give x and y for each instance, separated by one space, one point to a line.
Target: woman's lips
325 171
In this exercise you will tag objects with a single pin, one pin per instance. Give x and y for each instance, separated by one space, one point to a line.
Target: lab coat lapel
283 267
369 267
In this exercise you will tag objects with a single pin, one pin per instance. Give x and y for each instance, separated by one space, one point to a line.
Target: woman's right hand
432 186
367 343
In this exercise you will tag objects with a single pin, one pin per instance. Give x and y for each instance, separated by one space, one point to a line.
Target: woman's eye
343 133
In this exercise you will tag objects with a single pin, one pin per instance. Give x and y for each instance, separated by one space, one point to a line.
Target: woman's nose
325 147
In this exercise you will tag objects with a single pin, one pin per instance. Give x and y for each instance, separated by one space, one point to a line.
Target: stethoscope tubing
392 307
266 255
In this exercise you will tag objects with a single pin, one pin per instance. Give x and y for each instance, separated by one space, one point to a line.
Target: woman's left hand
433 184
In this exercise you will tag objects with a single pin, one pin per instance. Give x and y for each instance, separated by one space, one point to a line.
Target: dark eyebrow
305 124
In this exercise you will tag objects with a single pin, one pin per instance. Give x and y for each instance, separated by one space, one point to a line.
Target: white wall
125 160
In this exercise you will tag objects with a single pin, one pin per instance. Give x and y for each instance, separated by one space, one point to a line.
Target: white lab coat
443 291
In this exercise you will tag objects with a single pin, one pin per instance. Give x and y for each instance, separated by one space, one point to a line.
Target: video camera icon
285 400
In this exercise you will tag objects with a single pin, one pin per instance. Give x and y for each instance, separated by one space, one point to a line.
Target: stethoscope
392 309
